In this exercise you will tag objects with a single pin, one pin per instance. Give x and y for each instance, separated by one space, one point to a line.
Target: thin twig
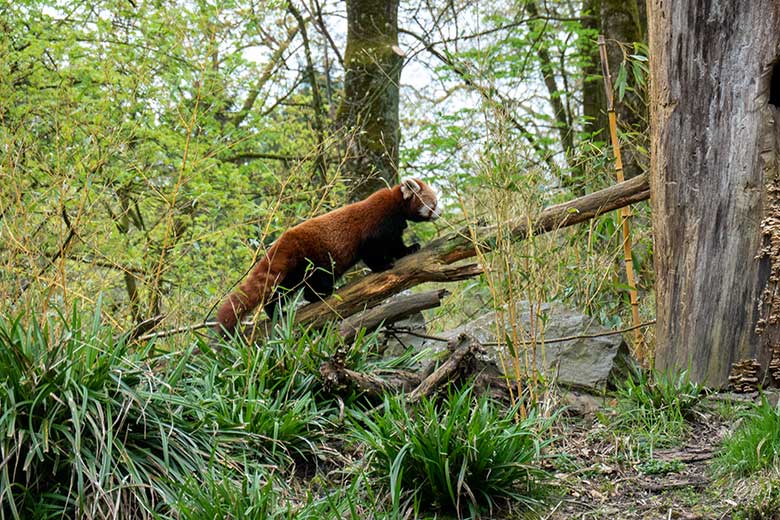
177 330
546 341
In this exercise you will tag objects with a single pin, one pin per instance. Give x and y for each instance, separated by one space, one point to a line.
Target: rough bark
715 182
369 110
594 102
439 260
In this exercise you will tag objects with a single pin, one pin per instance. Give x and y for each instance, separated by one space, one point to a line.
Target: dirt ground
604 477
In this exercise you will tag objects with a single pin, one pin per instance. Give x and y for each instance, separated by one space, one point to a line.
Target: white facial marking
409 187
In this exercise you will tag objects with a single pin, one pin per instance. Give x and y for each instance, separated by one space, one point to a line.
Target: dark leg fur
380 256
289 284
318 285
378 263
408 250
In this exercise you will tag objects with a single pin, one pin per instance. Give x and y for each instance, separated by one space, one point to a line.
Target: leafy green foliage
254 494
133 130
270 392
91 426
462 454
755 445
211 495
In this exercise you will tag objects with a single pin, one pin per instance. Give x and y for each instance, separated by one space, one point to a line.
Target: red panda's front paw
412 249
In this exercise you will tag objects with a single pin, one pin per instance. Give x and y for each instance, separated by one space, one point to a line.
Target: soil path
609 479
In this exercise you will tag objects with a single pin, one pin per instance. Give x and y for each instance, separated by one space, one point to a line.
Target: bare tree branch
563 118
316 100
268 71
324 31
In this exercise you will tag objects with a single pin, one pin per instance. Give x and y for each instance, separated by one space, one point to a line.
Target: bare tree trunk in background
624 22
369 110
715 178
563 119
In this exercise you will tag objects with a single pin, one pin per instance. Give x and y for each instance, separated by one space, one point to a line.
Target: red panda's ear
409 187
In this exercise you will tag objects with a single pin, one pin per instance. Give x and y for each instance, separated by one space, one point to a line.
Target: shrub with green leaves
655 406
754 445
466 453
274 392
88 430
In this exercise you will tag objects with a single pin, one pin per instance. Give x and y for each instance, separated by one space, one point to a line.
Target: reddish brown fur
368 230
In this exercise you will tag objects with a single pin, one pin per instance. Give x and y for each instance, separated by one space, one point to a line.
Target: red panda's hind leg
287 287
318 285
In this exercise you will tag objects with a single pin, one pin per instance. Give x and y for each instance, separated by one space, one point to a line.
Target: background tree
369 108
715 174
624 25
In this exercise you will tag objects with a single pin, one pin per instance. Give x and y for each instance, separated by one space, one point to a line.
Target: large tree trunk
715 179
369 110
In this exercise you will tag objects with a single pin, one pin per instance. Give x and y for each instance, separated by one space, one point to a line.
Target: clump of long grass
271 392
88 429
263 495
465 454
656 407
755 445
274 391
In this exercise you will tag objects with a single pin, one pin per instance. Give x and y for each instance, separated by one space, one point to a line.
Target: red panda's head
421 203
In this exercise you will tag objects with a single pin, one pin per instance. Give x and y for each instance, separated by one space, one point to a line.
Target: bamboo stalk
625 212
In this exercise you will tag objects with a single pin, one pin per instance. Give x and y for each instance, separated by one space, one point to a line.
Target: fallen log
461 365
435 262
394 310
336 377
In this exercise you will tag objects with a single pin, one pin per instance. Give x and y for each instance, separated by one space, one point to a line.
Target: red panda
316 252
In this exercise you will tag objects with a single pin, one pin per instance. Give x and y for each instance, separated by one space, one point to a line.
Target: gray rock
586 363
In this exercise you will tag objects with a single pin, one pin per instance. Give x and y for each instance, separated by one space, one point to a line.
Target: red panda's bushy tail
256 289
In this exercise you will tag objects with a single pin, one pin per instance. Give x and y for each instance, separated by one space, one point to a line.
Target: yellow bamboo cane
625 213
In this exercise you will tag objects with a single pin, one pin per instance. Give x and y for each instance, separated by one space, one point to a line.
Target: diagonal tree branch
320 166
562 117
268 71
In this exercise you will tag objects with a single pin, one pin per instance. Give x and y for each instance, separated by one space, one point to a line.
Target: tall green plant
655 407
